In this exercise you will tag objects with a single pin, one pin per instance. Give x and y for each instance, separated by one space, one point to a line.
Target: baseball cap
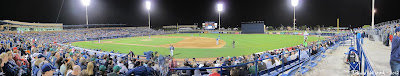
116 68
102 68
47 67
397 29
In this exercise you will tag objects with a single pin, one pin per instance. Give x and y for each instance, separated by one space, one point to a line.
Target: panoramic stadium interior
199 38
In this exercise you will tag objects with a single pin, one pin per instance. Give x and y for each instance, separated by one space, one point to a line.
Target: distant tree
366 26
331 27
270 28
304 27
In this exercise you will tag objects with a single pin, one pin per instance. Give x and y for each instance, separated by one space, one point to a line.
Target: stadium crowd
40 54
272 58
36 54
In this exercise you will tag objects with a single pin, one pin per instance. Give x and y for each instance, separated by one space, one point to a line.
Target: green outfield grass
245 44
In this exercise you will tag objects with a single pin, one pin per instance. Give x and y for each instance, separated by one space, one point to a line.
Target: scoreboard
210 25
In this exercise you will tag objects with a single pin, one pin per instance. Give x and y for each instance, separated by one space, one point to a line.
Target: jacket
395 53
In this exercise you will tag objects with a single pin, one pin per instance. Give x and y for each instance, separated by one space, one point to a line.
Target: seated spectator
252 69
47 70
214 73
123 67
76 71
149 69
89 69
185 72
102 71
11 68
277 61
63 67
3 59
115 71
84 73
294 55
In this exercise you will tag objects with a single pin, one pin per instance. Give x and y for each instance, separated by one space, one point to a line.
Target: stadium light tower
294 4
373 14
220 7
148 6
86 3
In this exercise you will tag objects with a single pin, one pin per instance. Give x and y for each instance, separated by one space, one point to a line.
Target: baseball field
198 45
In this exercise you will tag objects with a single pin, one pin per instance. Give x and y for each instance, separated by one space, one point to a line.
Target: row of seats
298 66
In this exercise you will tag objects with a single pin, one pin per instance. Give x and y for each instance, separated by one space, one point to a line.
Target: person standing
171 48
395 53
217 41
233 44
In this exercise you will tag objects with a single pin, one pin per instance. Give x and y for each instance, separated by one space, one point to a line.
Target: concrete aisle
333 64
379 56
377 53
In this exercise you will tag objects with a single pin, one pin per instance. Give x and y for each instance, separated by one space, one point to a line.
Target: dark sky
170 12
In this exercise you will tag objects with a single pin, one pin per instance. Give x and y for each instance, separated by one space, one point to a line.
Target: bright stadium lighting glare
220 7
85 2
374 11
295 3
148 5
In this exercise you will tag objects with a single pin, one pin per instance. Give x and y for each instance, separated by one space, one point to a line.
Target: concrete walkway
376 52
333 65
378 55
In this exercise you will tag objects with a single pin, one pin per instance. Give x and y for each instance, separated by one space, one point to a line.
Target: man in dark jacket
2 49
10 70
395 53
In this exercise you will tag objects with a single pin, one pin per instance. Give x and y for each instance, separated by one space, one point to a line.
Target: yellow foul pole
337 29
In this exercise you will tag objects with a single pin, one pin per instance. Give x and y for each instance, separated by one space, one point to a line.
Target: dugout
253 27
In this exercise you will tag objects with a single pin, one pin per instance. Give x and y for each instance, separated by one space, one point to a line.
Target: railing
361 55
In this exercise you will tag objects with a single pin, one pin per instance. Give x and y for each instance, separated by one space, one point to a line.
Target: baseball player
233 44
171 48
217 41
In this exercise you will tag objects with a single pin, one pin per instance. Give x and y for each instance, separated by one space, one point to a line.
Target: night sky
170 12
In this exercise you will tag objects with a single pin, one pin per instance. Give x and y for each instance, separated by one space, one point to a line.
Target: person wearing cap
395 53
115 71
102 71
47 70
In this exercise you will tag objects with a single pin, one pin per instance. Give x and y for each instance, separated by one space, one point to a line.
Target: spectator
304 54
3 59
252 69
12 68
63 67
215 73
89 69
115 71
123 67
394 55
47 70
102 71
76 71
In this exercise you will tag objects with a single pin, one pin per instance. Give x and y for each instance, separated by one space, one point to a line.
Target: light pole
373 14
148 6
294 4
86 3
219 8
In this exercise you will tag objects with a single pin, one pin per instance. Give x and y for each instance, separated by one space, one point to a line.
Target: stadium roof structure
180 26
32 24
